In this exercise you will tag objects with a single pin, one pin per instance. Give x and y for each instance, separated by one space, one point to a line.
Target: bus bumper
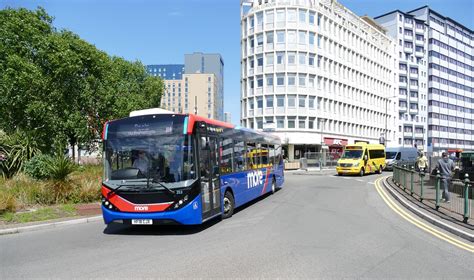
188 215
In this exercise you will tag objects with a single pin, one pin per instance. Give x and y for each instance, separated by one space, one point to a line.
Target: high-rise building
208 63
227 117
195 87
195 93
450 78
411 36
316 74
166 71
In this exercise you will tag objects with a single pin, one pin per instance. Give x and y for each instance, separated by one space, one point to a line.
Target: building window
302 58
269 101
281 37
269 58
302 101
280 122
280 101
291 80
280 58
269 37
269 81
291 122
302 16
280 80
291 101
302 124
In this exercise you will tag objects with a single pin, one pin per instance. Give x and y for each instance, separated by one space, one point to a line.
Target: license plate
142 222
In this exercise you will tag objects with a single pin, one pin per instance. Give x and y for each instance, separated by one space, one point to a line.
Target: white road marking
359 180
372 183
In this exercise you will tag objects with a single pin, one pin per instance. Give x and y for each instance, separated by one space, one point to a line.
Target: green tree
60 87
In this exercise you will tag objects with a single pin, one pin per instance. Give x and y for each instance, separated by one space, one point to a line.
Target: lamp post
386 117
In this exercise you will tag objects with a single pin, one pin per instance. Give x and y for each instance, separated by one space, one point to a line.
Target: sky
162 31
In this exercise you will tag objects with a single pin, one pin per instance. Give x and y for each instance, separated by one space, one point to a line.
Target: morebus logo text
254 179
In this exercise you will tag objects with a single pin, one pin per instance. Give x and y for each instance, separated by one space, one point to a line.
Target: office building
410 34
316 74
450 87
208 63
194 87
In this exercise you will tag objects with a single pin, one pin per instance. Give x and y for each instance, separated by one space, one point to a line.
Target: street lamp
386 117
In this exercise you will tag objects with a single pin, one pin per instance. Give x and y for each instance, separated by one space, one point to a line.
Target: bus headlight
355 165
107 204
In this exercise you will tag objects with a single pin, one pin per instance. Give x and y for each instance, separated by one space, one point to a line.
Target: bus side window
399 156
239 156
251 164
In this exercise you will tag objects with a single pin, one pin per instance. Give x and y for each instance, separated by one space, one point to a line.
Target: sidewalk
312 171
86 213
442 218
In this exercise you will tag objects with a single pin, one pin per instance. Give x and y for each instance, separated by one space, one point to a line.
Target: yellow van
361 158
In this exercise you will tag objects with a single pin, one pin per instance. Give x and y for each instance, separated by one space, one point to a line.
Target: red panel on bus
127 206
195 118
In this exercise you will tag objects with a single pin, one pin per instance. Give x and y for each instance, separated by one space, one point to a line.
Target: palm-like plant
17 148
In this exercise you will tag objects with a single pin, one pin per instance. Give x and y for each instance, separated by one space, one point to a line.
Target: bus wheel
381 169
362 172
229 205
273 186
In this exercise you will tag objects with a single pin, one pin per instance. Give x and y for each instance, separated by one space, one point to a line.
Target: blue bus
166 168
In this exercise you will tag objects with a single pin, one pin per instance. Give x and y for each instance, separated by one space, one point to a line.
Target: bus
167 168
361 158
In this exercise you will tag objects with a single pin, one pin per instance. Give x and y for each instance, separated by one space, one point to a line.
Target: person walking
446 168
422 162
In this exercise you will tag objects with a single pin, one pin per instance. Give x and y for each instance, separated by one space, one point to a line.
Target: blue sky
162 31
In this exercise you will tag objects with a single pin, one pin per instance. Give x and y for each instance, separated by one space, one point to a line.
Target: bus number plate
142 222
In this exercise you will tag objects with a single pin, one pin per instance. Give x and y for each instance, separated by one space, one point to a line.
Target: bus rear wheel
229 205
273 185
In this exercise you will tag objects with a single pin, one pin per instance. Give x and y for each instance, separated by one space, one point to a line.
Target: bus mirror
366 157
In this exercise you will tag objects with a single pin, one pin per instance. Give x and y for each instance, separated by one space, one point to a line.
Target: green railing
428 189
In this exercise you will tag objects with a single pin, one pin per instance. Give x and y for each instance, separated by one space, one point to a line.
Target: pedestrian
445 167
422 162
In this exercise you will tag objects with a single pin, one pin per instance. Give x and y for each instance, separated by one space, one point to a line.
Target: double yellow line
418 223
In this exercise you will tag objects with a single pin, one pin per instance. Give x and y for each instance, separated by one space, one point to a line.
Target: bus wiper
155 180
115 190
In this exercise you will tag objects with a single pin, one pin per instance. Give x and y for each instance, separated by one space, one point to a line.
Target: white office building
410 34
450 79
317 75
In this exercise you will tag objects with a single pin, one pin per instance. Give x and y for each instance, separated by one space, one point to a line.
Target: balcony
419 135
419 42
413 111
408 50
408 134
408 37
419 54
402 109
419 30
413 87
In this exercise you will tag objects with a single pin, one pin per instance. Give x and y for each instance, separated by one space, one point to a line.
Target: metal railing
321 159
428 189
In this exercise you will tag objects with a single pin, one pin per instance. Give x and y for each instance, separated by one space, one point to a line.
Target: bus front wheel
362 172
273 185
229 205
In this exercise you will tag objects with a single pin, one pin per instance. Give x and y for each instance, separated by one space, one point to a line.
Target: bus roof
362 145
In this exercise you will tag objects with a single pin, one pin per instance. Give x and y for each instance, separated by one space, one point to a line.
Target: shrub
18 148
37 167
59 167
7 202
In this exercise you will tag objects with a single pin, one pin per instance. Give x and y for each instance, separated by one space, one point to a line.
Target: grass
50 198
41 214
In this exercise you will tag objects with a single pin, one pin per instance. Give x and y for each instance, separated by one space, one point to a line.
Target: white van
401 156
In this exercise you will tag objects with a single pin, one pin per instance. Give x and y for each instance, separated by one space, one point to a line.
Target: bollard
395 173
422 174
438 182
466 198
411 180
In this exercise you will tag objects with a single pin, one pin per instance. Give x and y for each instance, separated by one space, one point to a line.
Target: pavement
442 218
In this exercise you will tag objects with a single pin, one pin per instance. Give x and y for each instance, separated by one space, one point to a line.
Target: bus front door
209 172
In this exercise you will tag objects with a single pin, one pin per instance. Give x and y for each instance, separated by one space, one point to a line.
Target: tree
59 87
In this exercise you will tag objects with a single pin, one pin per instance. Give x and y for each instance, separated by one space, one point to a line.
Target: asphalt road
315 227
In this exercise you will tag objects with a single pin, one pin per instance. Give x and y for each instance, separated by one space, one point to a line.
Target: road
315 227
